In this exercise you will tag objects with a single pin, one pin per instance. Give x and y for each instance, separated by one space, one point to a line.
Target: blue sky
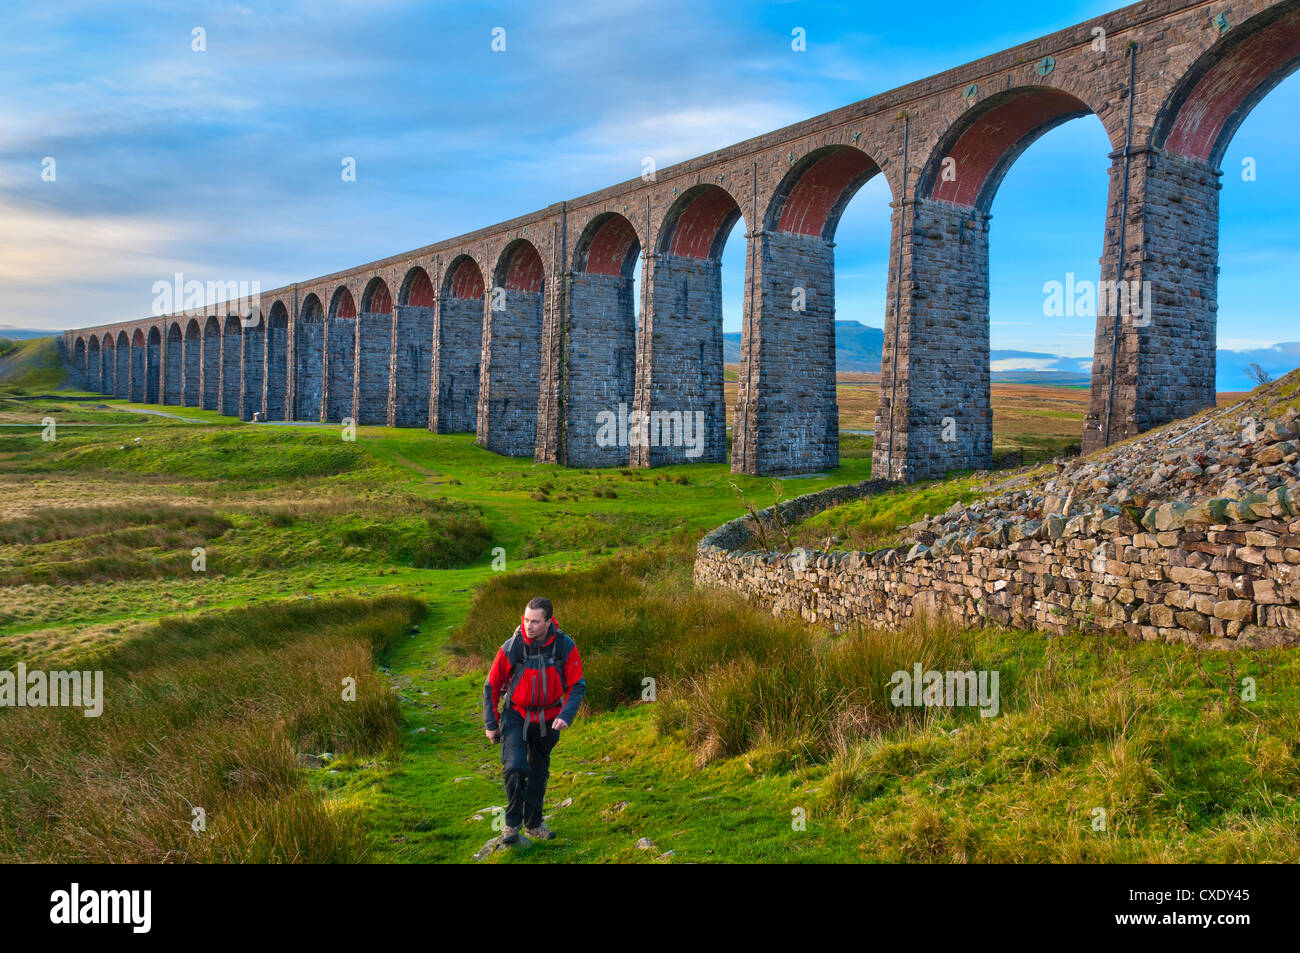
225 163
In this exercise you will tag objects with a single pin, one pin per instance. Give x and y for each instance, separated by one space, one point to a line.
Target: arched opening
1230 122
374 346
309 353
414 328
231 346
152 365
680 390
79 361
172 365
787 416
341 356
136 386
512 350
212 364
455 367
936 405
277 363
193 364
137 373
122 366
601 343
253 360
1006 160
108 365
94 366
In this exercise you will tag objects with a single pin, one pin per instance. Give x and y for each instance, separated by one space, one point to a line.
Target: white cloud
1023 364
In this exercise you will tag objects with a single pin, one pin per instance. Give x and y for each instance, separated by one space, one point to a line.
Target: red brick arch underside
987 140
465 279
520 268
343 305
417 289
1226 83
609 246
699 223
377 299
815 192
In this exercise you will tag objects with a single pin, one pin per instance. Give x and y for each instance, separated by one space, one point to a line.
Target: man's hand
559 723
493 736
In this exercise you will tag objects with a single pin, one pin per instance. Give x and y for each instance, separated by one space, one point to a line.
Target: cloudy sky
224 163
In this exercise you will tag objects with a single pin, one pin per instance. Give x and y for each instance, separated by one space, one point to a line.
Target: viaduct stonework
526 331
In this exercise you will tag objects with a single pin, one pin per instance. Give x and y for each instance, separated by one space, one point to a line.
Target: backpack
521 659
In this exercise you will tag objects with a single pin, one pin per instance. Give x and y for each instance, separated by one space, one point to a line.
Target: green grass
876 521
231 672
207 713
31 365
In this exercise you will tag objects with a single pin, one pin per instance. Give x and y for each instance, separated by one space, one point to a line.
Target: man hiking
539 673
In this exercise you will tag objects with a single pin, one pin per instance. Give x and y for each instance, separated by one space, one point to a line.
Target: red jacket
539 687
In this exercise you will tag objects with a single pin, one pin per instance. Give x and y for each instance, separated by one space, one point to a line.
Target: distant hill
23 334
30 365
857 346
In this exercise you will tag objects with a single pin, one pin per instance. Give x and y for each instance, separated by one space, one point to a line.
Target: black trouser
527 765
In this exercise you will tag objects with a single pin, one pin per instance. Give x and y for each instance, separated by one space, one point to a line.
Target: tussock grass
873 522
206 712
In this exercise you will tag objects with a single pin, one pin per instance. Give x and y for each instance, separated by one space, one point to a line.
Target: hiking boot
541 832
510 835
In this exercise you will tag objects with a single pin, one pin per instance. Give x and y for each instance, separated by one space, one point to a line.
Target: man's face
535 623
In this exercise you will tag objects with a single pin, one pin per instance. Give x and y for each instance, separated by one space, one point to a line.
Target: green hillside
31 365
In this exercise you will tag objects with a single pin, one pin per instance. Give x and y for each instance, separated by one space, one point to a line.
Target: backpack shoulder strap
514 652
560 650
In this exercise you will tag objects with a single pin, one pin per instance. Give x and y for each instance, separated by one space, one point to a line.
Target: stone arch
602 326
342 304
232 332
512 350
94 364
376 299
679 381
211 371
787 376
341 356
309 358
277 362
252 359
193 364
107 364
454 374
152 365
413 330
1214 97
136 372
812 196
698 223
173 355
79 361
608 245
985 141
122 366
416 290
374 351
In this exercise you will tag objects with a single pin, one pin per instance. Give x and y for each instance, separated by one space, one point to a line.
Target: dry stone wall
1099 546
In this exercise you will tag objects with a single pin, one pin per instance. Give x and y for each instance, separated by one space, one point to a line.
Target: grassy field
227 577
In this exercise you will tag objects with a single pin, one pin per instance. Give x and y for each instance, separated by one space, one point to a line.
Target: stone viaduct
526 331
